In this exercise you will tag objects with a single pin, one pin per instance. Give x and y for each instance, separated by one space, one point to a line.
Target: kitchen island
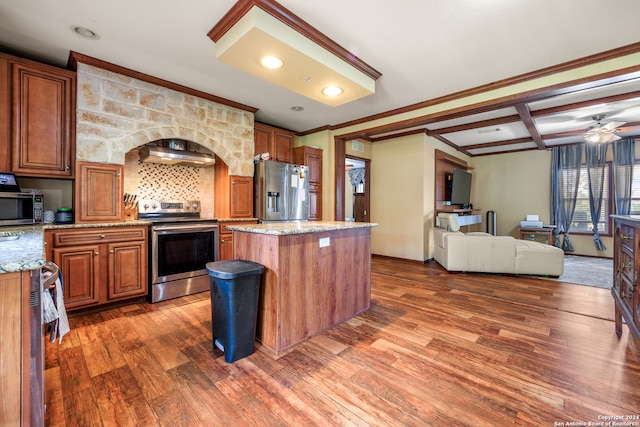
317 275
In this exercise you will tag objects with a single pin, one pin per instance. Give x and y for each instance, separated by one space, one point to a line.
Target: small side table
537 234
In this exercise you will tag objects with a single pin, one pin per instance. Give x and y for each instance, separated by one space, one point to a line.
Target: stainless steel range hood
168 156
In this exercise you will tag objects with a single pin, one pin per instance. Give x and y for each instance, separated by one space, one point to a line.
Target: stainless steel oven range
180 246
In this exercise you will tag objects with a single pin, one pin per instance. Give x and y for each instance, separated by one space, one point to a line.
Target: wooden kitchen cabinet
225 244
100 265
275 141
225 239
42 119
241 197
233 195
81 267
312 157
21 352
127 269
5 116
99 193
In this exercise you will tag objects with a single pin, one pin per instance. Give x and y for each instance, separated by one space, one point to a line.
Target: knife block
130 214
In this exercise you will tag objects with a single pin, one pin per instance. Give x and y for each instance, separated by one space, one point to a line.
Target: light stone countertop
105 224
295 227
21 248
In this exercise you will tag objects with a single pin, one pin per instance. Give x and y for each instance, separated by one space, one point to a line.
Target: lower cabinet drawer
87 235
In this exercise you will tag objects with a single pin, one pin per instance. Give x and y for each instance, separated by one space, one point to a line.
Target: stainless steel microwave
21 208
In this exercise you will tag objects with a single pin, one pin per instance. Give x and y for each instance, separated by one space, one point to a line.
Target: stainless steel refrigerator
281 191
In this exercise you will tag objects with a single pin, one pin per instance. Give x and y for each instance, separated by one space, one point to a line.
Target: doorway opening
357 194
342 183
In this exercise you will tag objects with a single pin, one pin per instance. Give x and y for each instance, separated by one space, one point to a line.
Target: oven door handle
170 229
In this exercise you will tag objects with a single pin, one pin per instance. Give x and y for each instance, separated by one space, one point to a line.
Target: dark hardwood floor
434 349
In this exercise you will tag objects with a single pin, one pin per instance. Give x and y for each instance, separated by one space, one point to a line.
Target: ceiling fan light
593 138
600 133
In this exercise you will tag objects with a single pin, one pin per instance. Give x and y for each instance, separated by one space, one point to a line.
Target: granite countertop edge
289 228
98 224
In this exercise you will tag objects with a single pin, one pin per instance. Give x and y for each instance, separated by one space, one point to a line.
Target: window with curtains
581 220
635 190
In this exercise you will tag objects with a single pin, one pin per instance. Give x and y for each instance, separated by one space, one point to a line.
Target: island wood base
307 289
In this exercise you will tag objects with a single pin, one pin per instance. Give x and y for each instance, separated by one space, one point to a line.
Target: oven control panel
149 206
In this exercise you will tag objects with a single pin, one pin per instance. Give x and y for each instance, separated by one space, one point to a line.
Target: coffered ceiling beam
525 115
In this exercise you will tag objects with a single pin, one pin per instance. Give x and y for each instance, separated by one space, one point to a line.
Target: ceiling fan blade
611 126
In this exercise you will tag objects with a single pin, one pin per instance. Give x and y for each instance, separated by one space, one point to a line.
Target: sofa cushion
476 252
448 221
440 234
538 258
491 254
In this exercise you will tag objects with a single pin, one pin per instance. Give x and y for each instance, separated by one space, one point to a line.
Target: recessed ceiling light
272 62
85 32
297 108
332 91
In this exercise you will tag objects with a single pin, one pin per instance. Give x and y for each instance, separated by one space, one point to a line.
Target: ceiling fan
599 133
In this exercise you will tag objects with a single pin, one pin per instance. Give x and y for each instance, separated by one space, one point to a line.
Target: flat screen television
460 187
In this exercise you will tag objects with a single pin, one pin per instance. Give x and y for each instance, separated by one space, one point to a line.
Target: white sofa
483 252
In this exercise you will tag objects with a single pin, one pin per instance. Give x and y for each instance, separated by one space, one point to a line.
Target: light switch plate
324 242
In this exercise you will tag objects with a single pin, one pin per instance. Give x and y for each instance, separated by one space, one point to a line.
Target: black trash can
235 288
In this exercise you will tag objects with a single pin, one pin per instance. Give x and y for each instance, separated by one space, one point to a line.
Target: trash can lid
234 268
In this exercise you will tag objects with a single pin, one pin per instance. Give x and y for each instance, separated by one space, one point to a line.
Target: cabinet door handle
222 241
96 253
111 251
102 236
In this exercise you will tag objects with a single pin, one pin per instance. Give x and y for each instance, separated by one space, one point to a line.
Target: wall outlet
324 242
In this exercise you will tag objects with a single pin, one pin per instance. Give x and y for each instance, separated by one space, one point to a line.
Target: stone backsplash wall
116 114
